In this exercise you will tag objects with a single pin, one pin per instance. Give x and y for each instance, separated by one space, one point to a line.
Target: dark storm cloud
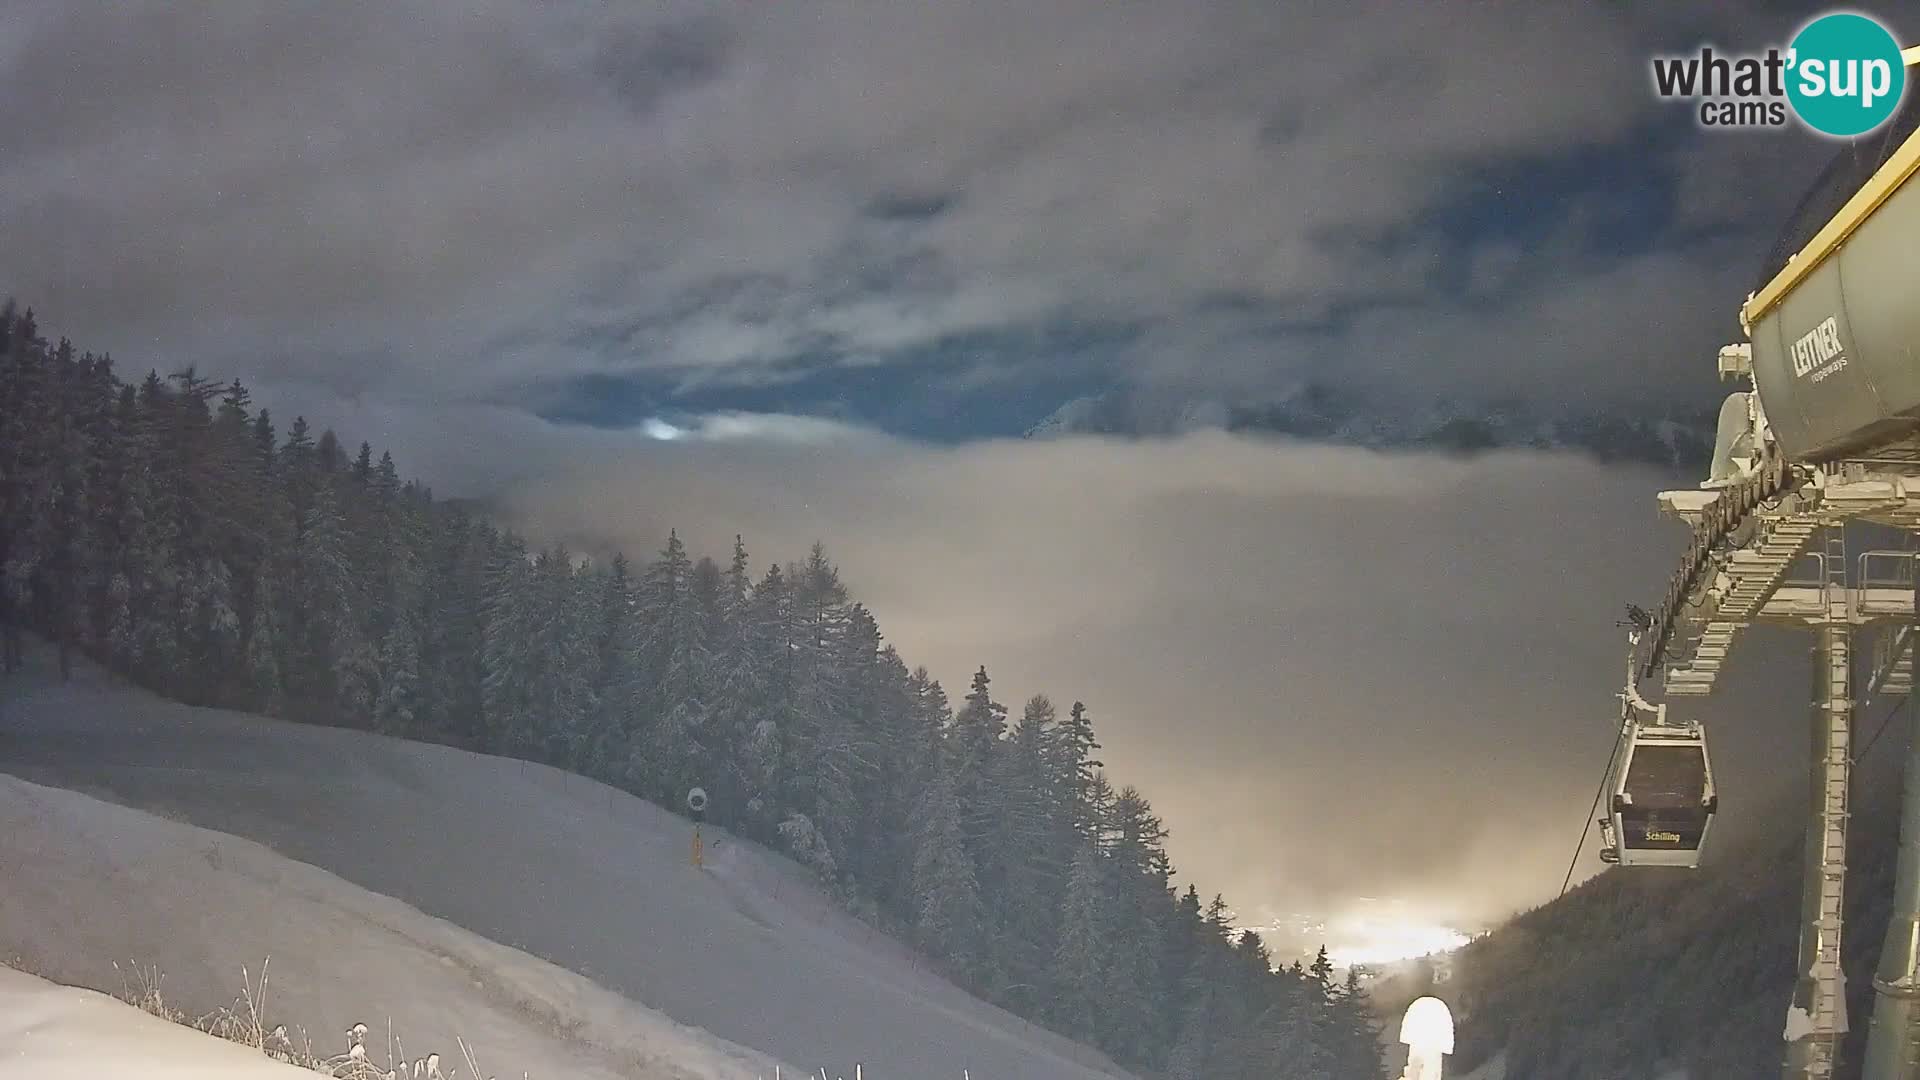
470 197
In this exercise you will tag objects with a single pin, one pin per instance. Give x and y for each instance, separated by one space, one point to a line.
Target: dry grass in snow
246 1022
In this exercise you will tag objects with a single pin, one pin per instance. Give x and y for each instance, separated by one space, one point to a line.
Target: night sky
846 253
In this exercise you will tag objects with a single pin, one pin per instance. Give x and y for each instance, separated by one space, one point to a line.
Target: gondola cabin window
1667 777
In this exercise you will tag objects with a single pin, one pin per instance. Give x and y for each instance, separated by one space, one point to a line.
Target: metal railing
1886 569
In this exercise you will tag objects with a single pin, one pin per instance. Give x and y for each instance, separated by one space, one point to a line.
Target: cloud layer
475 200
1339 674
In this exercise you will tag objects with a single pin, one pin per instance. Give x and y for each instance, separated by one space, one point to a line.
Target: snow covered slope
53 1032
88 883
568 870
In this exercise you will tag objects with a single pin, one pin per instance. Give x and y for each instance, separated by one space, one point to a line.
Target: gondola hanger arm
1630 696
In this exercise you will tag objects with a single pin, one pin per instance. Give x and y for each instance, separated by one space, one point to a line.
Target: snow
53 1032
439 855
99 884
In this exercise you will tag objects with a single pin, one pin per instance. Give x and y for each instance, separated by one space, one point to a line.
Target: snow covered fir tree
171 531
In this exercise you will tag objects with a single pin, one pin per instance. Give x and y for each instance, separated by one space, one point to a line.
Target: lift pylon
1828 434
1893 1039
1817 1018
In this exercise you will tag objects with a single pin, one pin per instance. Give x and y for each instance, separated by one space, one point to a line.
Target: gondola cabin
1663 798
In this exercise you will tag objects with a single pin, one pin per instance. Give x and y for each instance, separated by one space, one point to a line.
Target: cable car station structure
1827 434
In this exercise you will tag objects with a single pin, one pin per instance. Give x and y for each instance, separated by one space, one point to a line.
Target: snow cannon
1427 1032
697 806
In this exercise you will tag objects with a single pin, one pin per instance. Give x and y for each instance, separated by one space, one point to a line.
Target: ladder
1818 1016
1835 766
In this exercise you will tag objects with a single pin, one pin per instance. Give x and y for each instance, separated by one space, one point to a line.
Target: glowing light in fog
1365 940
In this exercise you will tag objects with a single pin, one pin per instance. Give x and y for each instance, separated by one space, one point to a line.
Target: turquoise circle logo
1845 76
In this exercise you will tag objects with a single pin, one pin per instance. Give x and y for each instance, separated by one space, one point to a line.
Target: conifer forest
166 528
